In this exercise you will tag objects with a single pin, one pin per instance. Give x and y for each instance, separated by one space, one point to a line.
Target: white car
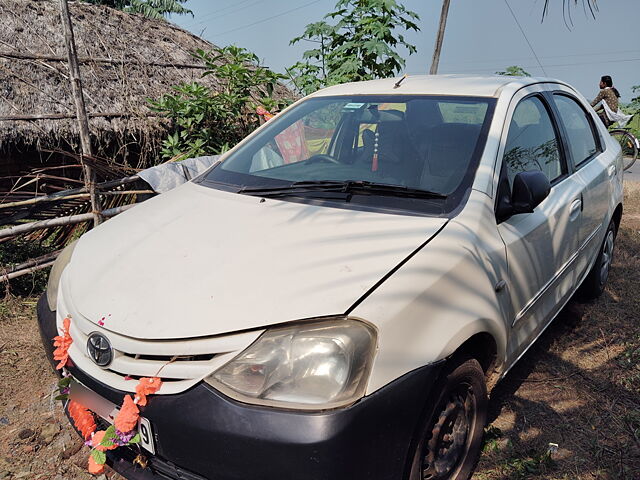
334 298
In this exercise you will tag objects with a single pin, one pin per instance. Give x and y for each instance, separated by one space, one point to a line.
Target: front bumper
202 434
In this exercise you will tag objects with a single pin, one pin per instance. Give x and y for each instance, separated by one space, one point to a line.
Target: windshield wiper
348 186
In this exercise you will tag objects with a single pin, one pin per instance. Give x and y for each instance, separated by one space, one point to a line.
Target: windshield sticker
352 106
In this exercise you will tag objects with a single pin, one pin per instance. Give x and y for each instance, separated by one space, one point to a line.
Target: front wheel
629 147
449 443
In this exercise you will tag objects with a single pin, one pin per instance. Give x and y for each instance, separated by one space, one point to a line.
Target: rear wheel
449 443
595 282
629 147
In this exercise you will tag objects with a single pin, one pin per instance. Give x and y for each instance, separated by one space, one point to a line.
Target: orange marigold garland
128 416
82 418
62 344
146 386
120 434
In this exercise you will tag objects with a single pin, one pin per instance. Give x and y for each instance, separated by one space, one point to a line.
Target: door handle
575 208
611 170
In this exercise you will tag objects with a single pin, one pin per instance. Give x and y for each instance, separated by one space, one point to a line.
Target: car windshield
416 143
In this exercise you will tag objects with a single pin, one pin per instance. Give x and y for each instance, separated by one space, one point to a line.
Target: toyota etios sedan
335 297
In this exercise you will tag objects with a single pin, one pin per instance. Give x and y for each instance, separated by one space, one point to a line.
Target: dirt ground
578 387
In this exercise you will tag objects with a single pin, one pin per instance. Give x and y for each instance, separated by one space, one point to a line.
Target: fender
444 294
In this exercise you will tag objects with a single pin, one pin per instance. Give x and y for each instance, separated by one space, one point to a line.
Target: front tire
449 443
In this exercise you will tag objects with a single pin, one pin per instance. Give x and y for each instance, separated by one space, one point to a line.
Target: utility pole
81 111
440 37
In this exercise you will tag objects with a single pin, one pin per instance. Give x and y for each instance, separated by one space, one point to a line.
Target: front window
427 144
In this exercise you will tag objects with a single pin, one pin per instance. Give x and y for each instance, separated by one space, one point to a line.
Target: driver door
541 246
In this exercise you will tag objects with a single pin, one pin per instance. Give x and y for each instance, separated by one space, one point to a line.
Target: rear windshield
428 143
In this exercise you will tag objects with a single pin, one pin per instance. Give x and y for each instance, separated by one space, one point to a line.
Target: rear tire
449 443
596 280
629 148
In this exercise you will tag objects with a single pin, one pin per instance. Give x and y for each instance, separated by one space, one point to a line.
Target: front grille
168 358
179 363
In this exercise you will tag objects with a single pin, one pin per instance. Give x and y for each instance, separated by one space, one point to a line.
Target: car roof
466 85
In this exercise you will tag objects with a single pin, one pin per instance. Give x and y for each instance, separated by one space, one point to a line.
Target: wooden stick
79 195
59 222
67 193
61 116
8 276
53 58
81 111
33 262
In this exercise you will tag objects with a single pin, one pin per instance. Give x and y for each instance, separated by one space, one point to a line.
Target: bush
209 122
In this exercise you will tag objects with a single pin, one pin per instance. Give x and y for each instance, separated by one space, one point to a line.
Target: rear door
541 246
594 171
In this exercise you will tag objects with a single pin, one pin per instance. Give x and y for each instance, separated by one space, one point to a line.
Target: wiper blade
383 188
348 186
303 185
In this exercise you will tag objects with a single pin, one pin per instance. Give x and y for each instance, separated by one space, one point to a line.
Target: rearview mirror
529 190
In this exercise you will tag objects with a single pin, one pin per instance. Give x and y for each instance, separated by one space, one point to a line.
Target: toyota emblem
99 349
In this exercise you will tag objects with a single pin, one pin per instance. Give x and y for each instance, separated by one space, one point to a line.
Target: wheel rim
448 443
607 256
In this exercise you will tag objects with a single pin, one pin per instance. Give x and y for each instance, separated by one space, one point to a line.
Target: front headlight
311 366
56 272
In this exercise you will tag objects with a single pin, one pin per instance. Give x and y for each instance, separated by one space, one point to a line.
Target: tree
567 5
359 44
208 122
148 8
514 71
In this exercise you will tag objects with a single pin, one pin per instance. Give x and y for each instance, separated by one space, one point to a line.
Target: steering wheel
322 157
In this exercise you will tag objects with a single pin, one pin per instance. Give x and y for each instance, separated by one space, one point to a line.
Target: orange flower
147 386
97 438
82 418
62 342
264 113
95 468
128 416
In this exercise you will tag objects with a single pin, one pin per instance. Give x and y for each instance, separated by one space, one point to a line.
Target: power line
553 65
525 37
217 14
516 61
266 19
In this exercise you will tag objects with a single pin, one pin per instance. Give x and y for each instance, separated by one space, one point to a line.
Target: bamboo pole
66 195
62 116
440 37
8 276
59 222
31 263
80 195
111 61
81 111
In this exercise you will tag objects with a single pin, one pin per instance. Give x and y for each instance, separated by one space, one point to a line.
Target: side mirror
529 190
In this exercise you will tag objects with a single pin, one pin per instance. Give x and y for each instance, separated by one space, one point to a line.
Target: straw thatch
124 60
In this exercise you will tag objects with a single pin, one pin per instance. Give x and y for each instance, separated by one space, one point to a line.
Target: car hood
198 261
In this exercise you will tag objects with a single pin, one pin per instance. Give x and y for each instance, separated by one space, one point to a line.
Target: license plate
109 411
146 435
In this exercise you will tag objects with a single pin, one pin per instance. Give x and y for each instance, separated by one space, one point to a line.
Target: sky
482 36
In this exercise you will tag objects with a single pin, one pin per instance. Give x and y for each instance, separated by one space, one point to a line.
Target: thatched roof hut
124 60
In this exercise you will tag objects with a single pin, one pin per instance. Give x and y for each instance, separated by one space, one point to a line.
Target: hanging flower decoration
82 418
123 431
128 416
147 386
62 344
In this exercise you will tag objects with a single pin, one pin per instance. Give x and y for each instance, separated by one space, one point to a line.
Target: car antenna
400 81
